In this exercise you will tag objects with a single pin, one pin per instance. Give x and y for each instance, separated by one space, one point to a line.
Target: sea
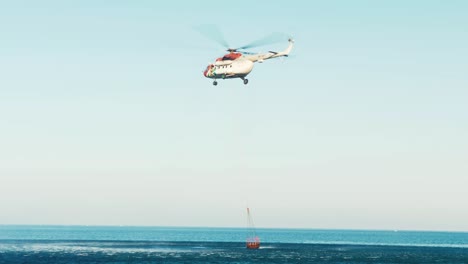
171 245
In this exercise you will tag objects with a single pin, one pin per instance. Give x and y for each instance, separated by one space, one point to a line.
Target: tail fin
289 48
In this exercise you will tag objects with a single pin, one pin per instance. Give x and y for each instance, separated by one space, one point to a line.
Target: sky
106 118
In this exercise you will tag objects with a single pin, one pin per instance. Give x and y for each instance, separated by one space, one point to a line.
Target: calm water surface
82 244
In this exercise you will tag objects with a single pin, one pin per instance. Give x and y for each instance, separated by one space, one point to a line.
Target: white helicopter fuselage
238 65
225 69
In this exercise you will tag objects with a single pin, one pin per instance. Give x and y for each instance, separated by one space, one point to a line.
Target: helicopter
239 63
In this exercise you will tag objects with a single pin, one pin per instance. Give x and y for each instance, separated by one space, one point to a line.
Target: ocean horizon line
237 227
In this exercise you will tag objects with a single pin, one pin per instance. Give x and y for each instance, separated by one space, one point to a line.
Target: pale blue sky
107 119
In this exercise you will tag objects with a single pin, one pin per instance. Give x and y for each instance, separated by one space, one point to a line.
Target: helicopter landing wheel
246 81
215 83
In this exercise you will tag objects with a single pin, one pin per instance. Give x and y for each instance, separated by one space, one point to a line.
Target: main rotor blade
270 39
212 32
248 53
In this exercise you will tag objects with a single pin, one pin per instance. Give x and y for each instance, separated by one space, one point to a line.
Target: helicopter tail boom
271 54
